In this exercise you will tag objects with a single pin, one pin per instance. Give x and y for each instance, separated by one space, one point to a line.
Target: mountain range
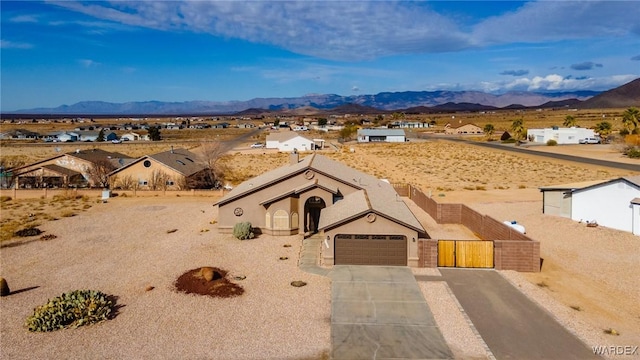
407 101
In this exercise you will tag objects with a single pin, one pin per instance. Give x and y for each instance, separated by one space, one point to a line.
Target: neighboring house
19 134
288 141
462 128
131 136
110 136
614 203
327 128
409 124
381 135
360 218
68 137
177 169
560 135
70 169
89 136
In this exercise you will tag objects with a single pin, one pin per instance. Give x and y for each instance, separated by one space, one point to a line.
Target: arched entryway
312 208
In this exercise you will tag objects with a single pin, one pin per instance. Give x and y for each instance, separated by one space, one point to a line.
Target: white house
410 124
381 135
133 136
286 141
614 203
561 135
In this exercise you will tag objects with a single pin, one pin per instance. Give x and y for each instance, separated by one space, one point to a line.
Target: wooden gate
465 253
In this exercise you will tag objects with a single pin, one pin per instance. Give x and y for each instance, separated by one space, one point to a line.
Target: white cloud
6 44
357 30
551 82
560 20
331 30
555 82
88 63
24 19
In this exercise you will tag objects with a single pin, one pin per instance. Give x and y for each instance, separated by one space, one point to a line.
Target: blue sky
63 52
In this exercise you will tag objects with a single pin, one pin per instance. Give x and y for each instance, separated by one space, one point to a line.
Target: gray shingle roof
379 196
300 189
180 160
61 170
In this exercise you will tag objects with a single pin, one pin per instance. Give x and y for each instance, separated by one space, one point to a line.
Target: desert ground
588 279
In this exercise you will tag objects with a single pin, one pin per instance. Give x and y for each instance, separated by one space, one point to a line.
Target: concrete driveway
378 312
511 325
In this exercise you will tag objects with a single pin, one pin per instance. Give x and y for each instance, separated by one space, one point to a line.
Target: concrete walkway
309 259
512 326
378 312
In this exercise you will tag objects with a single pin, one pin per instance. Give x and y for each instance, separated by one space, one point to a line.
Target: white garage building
614 203
561 135
381 135
288 141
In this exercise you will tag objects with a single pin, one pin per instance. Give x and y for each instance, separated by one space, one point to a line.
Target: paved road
512 325
378 312
524 150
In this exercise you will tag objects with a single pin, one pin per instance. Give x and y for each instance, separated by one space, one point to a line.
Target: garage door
351 249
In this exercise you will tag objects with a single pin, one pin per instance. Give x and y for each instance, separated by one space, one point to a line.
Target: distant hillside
354 109
562 103
624 96
437 101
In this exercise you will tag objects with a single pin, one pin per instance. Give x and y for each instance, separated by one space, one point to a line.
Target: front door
312 213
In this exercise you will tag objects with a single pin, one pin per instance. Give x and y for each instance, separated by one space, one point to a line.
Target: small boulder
207 273
298 283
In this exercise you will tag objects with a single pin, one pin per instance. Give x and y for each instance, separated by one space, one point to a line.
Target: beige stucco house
69 169
462 128
177 169
360 218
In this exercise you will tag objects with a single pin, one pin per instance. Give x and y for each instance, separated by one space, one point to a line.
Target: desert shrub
70 310
632 140
30 231
624 132
243 231
633 152
509 141
552 142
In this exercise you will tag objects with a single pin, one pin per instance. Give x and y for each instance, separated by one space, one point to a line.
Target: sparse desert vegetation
21 214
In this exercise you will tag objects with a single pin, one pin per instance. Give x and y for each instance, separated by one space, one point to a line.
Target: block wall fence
512 249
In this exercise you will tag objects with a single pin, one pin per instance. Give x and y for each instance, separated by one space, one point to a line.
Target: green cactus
70 310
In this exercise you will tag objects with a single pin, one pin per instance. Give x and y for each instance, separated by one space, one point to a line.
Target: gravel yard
124 246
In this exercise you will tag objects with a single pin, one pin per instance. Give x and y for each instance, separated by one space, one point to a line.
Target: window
142 182
180 162
169 182
147 163
189 159
281 220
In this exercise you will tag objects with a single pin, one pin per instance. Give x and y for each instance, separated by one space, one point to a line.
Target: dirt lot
123 246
